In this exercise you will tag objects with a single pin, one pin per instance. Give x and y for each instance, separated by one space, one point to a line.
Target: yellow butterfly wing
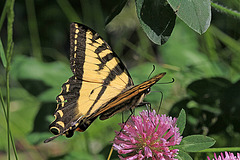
99 75
101 85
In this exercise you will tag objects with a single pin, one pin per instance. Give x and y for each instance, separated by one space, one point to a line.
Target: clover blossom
228 156
149 135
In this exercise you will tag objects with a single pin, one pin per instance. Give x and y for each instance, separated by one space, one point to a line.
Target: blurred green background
205 68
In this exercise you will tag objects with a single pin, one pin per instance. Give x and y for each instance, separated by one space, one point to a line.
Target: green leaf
156 18
53 74
50 94
181 121
183 53
183 156
23 110
182 50
196 14
196 143
84 155
37 137
43 80
212 87
116 11
2 55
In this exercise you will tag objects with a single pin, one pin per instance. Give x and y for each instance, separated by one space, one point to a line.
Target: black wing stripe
77 49
101 48
107 59
70 89
96 39
106 82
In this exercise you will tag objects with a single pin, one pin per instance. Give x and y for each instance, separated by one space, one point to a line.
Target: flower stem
69 11
33 29
10 19
228 149
3 15
110 153
225 10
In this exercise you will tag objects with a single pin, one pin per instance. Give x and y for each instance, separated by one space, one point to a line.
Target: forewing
92 59
130 98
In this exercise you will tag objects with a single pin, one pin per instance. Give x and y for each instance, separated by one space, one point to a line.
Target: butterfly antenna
151 71
173 80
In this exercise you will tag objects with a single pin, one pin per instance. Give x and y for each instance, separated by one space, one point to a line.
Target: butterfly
100 86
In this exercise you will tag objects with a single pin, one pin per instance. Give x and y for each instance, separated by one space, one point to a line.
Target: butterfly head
147 91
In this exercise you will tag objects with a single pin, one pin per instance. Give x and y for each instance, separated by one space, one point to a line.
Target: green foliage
193 143
149 11
2 55
116 11
196 14
205 69
196 143
44 77
181 121
183 156
208 99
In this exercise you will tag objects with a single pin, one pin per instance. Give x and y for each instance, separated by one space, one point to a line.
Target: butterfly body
100 86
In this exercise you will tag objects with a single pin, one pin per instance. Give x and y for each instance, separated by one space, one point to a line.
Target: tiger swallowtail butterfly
100 86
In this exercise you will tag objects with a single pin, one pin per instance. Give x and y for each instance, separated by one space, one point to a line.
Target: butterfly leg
132 113
149 108
124 123
147 104
122 118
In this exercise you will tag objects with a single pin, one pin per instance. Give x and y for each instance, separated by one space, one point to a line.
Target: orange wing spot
79 130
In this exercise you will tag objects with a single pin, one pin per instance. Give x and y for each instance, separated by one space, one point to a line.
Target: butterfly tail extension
52 138
69 133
